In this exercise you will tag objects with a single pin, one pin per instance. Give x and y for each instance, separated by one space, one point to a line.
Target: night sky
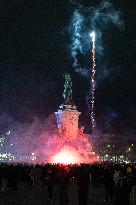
34 55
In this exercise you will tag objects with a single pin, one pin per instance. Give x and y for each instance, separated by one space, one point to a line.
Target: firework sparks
93 36
66 156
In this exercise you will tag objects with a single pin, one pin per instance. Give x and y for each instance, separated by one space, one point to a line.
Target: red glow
66 156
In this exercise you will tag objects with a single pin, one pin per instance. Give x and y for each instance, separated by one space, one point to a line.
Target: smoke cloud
76 42
22 139
83 21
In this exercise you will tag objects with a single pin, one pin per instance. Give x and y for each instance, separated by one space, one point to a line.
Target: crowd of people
119 180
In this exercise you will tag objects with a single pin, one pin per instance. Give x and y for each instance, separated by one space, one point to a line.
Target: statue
67 94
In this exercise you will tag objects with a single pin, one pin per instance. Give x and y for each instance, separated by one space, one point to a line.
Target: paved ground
38 195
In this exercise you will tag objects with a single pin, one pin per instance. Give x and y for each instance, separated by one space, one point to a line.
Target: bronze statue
67 94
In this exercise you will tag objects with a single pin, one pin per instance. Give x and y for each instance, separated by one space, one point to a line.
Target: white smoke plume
76 41
83 21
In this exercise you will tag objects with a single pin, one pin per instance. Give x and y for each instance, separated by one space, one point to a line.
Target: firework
93 35
67 156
